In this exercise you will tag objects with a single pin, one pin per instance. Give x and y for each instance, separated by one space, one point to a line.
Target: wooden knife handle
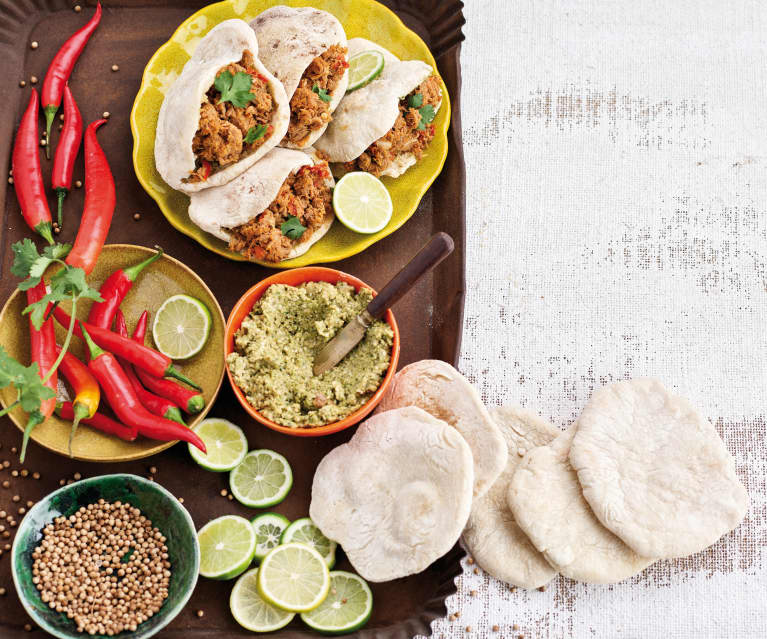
438 248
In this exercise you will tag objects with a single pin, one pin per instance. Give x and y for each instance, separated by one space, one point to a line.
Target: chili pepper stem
196 404
50 113
174 415
65 345
60 195
34 420
81 412
44 229
132 272
171 371
93 350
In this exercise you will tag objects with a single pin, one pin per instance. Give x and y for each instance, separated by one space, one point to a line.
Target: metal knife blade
338 347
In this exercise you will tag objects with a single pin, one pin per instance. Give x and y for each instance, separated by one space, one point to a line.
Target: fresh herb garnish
66 284
324 95
255 133
427 112
415 101
235 88
292 228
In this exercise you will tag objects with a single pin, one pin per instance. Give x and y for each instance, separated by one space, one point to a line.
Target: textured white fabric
617 186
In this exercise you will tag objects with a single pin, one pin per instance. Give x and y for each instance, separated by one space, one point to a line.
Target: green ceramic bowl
166 513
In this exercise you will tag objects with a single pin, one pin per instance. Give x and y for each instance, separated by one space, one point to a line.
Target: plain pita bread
655 471
397 496
492 535
444 393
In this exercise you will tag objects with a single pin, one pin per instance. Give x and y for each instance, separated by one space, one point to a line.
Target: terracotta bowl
295 277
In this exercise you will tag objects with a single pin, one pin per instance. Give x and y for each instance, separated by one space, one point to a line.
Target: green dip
276 345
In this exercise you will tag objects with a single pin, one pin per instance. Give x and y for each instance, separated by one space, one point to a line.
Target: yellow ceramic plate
360 18
166 277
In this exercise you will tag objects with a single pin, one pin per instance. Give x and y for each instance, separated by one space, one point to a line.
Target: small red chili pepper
27 175
99 421
61 68
190 401
206 169
42 349
139 355
99 205
153 403
87 393
114 290
66 151
119 392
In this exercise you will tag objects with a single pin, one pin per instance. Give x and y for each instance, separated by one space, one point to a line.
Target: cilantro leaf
324 95
292 228
57 251
255 133
28 263
415 101
66 284
427 116
235 88
24 256
26 380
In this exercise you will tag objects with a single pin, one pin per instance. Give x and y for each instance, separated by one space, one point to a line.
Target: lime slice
227 545
226 444
263 478
304 531
181 327
251 611
364 67
347 607
294 577
362 202
269 528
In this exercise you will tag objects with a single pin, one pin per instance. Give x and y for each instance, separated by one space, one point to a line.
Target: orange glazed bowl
294 277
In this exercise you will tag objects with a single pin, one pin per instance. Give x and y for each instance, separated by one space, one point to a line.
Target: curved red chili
101 422
66 150
153 403
113 292
27 175
191 401
42 348
139 355
99 206
119 392
61 68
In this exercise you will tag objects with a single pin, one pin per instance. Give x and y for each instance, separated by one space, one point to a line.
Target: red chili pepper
61 68
139 355
42 349
87 393
99 206
99 421
190 401
66 151
114 290
119 392
27 175
206 169
153 403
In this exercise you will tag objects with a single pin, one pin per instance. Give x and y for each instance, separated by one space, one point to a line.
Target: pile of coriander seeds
106 567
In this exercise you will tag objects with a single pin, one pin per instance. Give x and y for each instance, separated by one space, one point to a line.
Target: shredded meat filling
308 111
405 136
221 134
303 195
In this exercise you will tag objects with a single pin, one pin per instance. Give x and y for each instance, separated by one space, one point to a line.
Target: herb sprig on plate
235 88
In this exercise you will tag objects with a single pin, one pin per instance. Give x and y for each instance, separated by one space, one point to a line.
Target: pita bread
492 535
397 496
288 41
179 116
655 471
444 393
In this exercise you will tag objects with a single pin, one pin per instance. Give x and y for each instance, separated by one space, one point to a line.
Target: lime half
364 67
269 528
294 577
226 444
262 479
181 327
251 611
347 607
362 202
227 546
305 531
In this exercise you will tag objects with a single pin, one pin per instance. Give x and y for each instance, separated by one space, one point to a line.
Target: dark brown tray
430 318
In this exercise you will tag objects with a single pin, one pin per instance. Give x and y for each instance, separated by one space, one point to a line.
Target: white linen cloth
616 156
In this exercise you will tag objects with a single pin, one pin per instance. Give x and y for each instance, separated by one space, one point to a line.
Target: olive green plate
165 512
165 277
360 18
